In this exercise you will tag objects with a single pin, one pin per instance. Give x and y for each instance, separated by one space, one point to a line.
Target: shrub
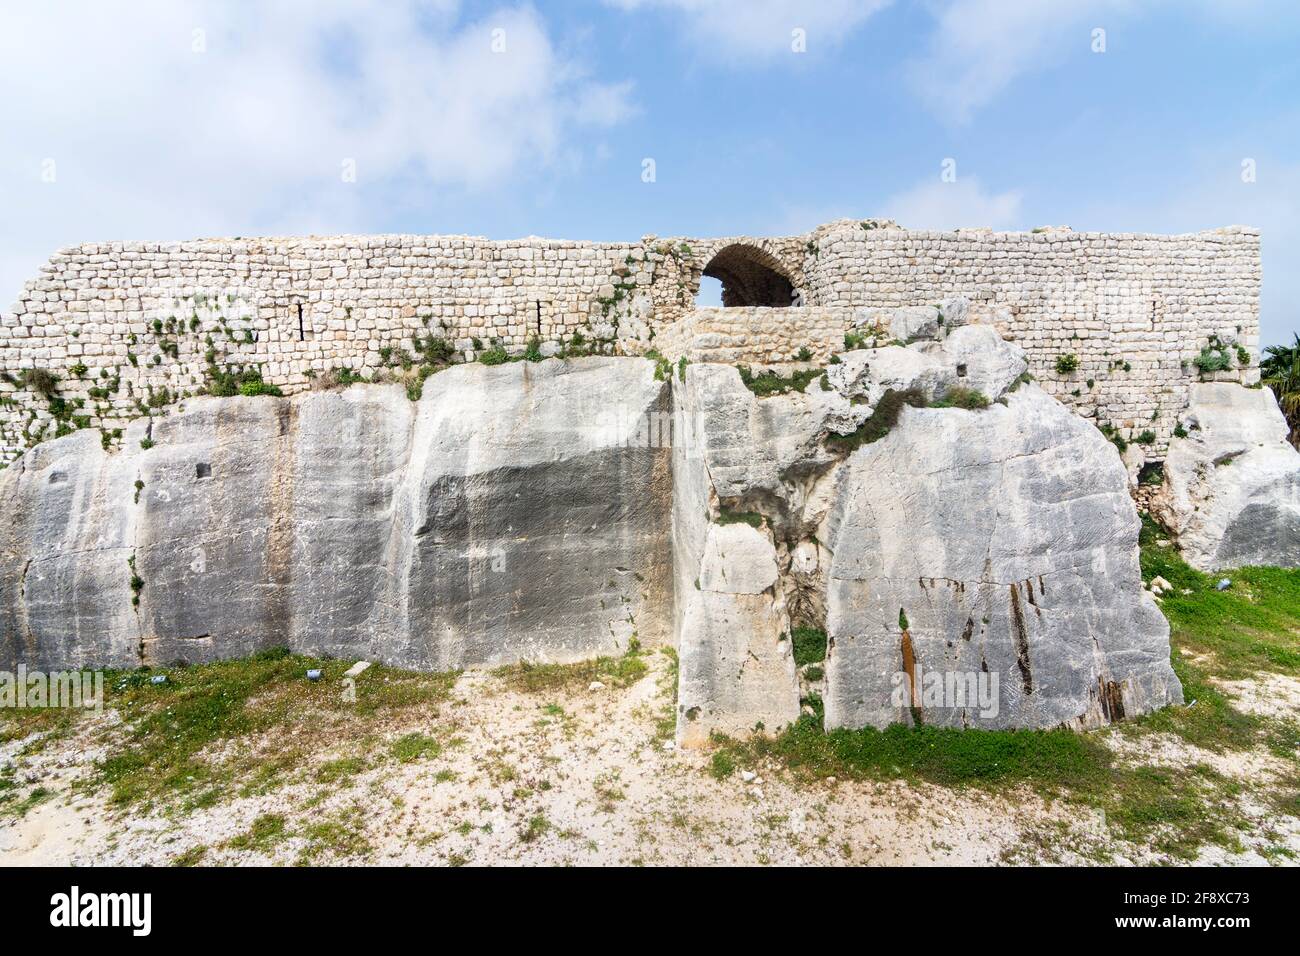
771 383
224 383
250 389
1065 364
1115 437
41 381
961 397
663 367
751 518
881 422
496 355
434 350
1214 357
809 645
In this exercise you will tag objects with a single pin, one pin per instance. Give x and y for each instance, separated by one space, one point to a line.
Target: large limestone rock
994 548
1231 495
517 512
535 511
736 668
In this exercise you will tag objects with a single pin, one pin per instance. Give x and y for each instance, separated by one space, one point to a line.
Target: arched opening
710 294
750 277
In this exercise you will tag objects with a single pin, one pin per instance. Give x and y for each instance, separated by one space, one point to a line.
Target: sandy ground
581 778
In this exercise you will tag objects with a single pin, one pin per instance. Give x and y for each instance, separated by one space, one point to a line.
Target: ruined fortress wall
760 336
1134 309
146 316
130 326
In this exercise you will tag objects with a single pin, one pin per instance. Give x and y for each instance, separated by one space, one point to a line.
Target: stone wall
1135 310
763 336
130 328
121 322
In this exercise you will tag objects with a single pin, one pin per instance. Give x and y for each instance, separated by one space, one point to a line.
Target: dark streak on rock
1111 695
1021 636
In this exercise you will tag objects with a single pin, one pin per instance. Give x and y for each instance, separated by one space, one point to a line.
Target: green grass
722 765
768 382
1252 626
267 831
751 518
611 671
1175 811
961 397
415 746
536 828
170 726
13 803
940 755
20 723
809 645
191 857
336 771
342 835
1249 628
253 389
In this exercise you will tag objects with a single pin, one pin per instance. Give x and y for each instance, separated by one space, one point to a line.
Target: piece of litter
357 669
1223 585
747 775
595 685
313 675
158 679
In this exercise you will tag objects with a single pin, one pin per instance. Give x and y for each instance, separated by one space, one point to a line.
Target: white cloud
152 139
960 204
980 46
762 29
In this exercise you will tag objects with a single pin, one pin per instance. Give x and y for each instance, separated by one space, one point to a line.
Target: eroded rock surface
995 547
518 512
921 505
1231 495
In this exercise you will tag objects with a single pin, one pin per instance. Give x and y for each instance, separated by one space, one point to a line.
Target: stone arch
751 276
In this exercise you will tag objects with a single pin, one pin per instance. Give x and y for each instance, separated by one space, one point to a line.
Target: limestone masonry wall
131 328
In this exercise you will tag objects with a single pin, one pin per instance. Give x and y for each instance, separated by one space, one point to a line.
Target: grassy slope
1252 627
170 755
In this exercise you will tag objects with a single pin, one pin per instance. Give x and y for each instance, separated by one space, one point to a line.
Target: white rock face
535 511
1231 495
996 546
983 361
868 373
517 512
1005 538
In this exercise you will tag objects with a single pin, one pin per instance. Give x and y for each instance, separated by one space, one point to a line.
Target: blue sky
186 118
